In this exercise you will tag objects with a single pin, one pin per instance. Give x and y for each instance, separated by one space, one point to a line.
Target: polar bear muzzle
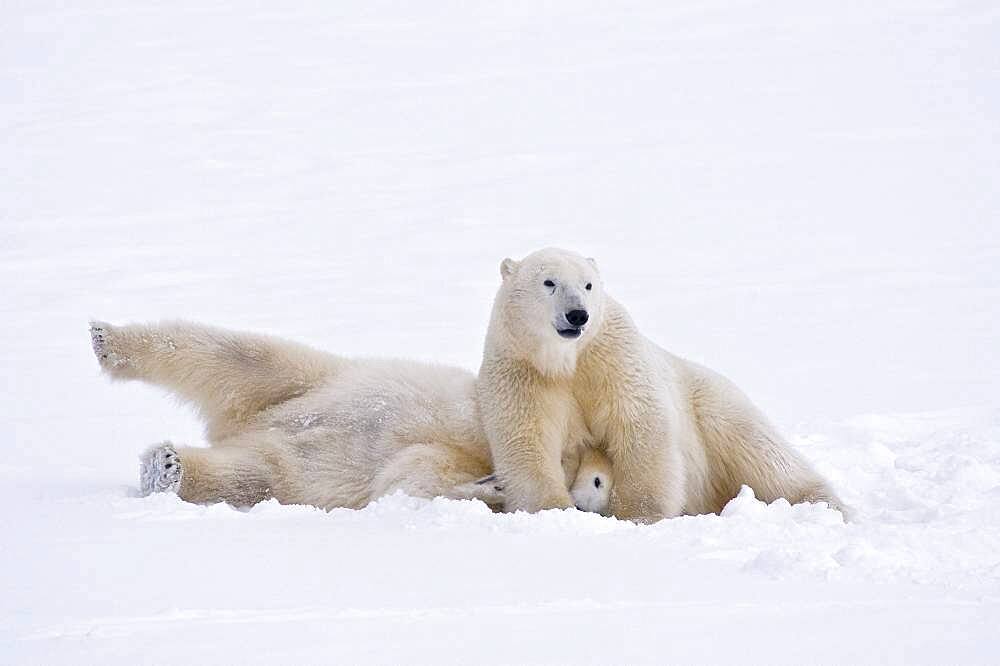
576 320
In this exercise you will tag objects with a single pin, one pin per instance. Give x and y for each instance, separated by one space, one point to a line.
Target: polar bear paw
105 349
160 470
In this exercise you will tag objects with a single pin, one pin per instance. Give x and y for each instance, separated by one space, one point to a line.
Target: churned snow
801 197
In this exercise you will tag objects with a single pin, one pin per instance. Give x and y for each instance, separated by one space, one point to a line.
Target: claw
160 470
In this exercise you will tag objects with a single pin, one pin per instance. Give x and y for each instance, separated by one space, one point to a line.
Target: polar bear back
375 428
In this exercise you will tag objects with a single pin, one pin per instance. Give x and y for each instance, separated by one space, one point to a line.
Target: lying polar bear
307 427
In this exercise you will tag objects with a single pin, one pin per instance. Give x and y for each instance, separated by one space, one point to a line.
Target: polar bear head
591 490
548 307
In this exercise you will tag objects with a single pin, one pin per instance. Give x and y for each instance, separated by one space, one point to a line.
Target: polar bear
681 438
591 489
301 425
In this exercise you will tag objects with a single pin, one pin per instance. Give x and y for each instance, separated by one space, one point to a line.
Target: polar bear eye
588 286
597 482
549 283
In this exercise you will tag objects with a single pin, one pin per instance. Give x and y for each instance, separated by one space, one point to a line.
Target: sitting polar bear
307 427
681 438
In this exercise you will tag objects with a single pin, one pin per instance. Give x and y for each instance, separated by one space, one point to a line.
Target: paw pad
97 340
160 470
100 341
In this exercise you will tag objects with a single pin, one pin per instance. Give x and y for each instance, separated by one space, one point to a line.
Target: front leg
526 426
533 480
648 472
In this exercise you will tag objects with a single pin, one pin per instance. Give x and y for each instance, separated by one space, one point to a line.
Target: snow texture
802 197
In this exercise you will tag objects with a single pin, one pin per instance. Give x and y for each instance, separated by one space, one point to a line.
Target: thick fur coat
681 438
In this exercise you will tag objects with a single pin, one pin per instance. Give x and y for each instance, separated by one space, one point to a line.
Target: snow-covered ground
802 197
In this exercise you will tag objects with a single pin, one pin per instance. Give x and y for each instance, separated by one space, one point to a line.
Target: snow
803 198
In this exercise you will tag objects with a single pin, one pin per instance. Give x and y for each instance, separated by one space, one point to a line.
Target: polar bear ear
507 266
593 262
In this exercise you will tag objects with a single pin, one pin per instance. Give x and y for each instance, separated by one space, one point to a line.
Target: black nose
577 317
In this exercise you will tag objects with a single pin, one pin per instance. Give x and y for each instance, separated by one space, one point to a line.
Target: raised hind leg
228 376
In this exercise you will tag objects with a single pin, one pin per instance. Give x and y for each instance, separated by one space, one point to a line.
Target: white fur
591 490
681 438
